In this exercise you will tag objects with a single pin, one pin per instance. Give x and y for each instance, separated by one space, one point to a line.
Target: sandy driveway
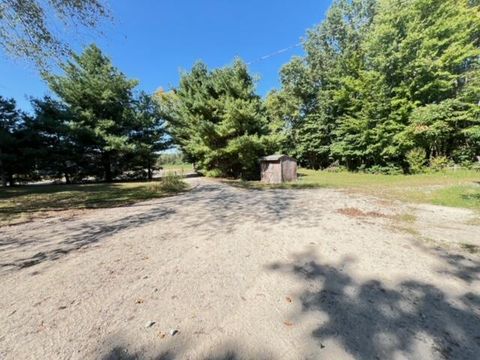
281 274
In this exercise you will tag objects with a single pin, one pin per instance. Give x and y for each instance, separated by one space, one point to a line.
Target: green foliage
439 163
415 159
389 169
170 183
115 130
17 145
217 120
34 29
175 158
98 128
383 77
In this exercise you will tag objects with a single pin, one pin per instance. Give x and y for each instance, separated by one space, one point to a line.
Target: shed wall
289 170
271 172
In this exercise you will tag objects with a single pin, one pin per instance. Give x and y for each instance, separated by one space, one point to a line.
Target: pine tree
218 120
100 99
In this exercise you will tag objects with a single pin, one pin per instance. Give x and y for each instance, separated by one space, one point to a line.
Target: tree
100 99
61 153
382 77
148 134
318 83
217 120
18 144
9 122
29 28
420 56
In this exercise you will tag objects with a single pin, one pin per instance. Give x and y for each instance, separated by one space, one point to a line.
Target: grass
472 249
459 188
23 203
180 168
406 218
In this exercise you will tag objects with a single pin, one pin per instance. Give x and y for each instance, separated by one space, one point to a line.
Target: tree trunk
149 170
11 181
67 178
107 167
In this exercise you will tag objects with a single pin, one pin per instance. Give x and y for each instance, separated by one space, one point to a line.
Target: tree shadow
122 353
225 207
223 352
74 238
207 210
372 321
456 264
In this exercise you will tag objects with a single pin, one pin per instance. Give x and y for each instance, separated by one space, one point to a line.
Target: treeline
99 128
385 86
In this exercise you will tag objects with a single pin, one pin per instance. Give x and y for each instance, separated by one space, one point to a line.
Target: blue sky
153 40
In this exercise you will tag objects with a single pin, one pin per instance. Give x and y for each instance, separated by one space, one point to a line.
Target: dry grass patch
357 213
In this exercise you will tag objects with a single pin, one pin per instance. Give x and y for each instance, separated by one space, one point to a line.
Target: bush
416 160
336 167
214 173
385 170
439 163
170 183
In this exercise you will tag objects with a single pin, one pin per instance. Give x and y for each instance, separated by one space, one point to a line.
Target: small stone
149 323
173 332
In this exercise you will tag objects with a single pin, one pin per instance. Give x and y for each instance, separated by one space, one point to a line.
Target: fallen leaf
139 301
288 323
289 299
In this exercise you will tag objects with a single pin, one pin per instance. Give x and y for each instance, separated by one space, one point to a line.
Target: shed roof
276 157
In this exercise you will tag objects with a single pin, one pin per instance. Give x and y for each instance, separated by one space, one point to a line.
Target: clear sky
153 40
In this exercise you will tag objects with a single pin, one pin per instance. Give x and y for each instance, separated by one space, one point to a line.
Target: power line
278 52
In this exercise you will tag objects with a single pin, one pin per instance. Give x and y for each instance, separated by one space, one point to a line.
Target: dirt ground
244 274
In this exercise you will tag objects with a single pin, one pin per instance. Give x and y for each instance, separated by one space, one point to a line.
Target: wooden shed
276 169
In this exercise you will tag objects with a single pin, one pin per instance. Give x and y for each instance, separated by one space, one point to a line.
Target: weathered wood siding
271 172
289 170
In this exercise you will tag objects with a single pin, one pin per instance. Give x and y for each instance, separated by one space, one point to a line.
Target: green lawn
452 188
22 203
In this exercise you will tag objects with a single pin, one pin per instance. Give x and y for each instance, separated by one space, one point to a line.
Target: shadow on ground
371 321
72 239
222 353
208 209
223 208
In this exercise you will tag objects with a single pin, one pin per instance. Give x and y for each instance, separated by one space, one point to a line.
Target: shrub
416 160
386 170
214 173
170 183
336 167
439 163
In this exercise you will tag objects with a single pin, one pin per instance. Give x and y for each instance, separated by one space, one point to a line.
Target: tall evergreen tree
148 135
100 99
10 117
218 120
18 145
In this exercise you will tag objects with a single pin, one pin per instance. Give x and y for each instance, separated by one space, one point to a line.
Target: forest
384 86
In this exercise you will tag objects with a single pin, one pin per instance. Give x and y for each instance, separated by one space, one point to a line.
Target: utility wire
278 52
